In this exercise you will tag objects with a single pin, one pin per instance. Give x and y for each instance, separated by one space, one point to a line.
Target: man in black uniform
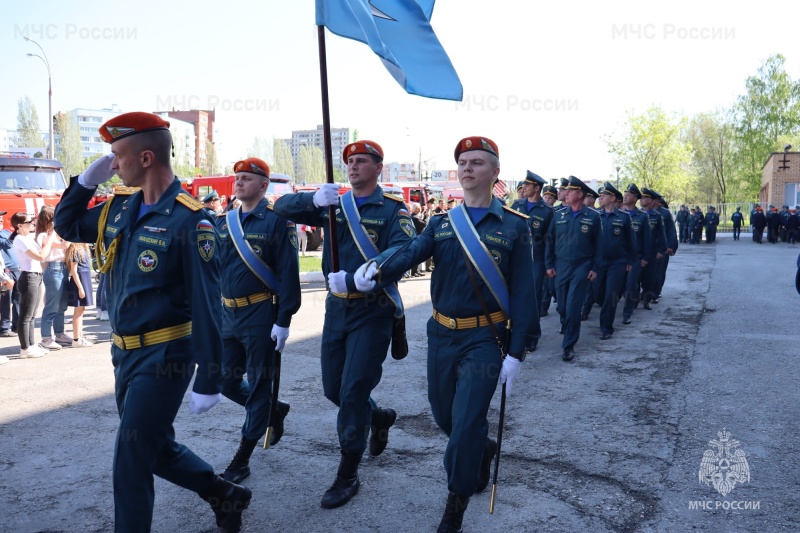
758 221
357 330
650 273
773 224
682 218
699 222
159 250
737 218
640 224
792 226
712 221
540 216
784 218
260 292
672 242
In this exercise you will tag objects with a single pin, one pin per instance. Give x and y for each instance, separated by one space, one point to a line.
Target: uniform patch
205 225
617 231
443 234
256 249
111 230
495 255
205 245
148 261
155 242
403 213
584 228
408 227
373 235
536 223
293 237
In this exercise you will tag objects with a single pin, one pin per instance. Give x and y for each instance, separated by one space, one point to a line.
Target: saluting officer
485 241
619 256
540 214
640 224
260 292
357 330
573 254
159 250
650 273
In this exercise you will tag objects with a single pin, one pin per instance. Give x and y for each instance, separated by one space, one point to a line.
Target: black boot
453 514
382 420
346 484
489 450
228 501
277 425
239 469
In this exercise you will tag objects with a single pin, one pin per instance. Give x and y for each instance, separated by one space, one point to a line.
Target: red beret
254 165
130 124
362 147
476 143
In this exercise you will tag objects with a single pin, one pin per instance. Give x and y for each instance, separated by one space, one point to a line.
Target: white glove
363 277
328 194
200 403
98 172
279 335
336 281
509 372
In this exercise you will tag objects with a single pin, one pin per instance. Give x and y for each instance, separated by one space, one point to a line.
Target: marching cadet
550 195
539 217
482 250
699 222
591 198
650 273
672 242
773 223
784 218
357 330
573 254
682 218
712 221
562 193
737 218
758 221
619 256
260 292
640 225
159 250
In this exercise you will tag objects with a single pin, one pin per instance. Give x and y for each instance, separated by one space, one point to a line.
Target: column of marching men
152 233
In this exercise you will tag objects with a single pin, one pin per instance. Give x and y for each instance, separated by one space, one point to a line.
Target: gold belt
132 342
468 323
349 295
247 300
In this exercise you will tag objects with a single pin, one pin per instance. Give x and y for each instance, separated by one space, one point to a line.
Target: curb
311 277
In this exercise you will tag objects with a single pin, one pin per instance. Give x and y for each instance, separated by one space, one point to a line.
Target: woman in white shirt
29 256
55 278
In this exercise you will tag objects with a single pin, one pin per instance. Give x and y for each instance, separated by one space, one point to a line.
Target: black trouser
758 235
683 232
9 304
711 233
30 284
737 230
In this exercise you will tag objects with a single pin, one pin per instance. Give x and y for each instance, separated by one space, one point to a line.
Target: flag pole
331 237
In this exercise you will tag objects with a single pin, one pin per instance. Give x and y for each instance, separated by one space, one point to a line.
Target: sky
547 81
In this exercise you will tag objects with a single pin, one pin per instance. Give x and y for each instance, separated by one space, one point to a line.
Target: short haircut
157 141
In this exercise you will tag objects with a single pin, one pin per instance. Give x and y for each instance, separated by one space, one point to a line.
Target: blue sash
256 265
367 248
480 257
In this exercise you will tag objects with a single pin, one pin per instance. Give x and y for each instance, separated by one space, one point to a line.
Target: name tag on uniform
497 241
256 237
111 231
442 234
153 242
373 221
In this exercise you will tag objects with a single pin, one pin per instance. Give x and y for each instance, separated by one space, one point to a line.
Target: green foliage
712 138
28 124
310 165
70 149
282 163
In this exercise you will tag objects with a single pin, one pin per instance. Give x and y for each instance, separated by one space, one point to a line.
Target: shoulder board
440 214
523 215
393 197
189 202
126 191
269 206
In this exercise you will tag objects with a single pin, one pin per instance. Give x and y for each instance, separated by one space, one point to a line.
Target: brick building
203 121
780 179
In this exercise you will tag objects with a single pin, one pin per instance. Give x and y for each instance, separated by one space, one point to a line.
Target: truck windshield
279 188
48 179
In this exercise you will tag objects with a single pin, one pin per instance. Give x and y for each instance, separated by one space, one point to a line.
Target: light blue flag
400 33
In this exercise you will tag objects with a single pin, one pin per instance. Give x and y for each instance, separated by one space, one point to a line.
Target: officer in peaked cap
549 194
572 256
650 273
712 221
159 250
672 242
640 225
540 214
562 191
738 219
252 306
463 359
357 331
682 218
212 203
591 197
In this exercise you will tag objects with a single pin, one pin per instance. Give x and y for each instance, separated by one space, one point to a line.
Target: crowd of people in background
36 265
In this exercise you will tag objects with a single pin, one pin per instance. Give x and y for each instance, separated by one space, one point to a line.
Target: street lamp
43 57
617 178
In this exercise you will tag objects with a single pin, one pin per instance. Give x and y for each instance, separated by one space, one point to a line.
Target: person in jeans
29 256
9 300
55 278
79 288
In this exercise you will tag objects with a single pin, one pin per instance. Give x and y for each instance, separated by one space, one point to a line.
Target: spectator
419 226
55 283
9 300
302 238
29 256
79 289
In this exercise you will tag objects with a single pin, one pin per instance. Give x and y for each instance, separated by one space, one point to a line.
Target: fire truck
28 183
200 186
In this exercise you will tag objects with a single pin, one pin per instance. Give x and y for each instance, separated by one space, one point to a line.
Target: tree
260 149
651 152
283 162
768 110
211 168
70 150
310 165
28 124
712 138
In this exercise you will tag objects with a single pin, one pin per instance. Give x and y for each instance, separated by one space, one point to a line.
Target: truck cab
28 183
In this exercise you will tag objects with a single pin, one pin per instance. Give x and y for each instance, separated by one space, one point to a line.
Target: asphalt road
612 441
